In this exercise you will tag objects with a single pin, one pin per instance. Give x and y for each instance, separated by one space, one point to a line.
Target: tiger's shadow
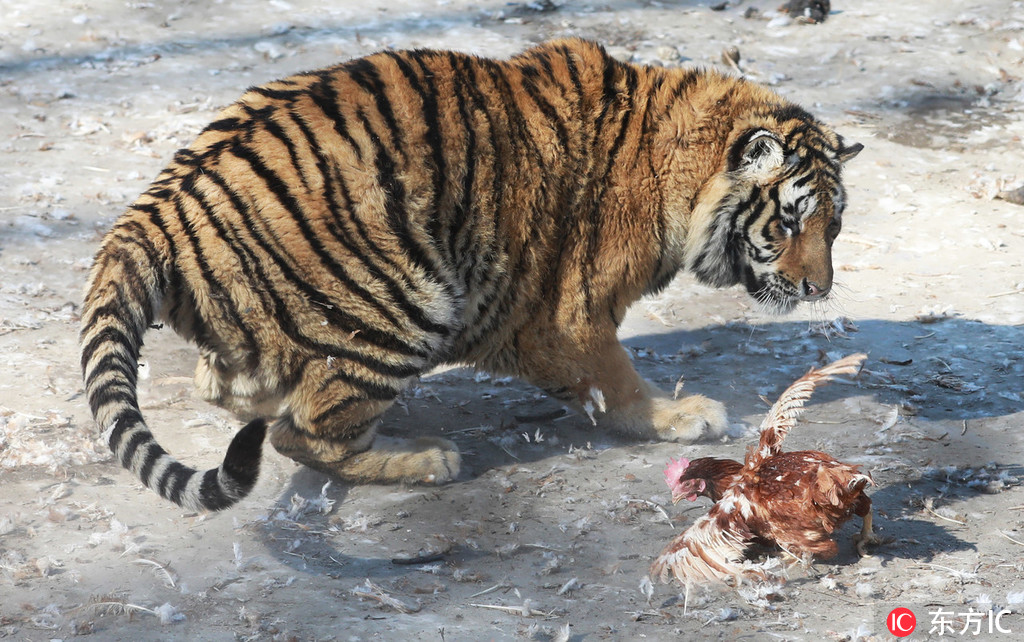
937 376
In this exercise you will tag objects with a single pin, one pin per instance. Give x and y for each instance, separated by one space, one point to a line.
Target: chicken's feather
783 414
703 552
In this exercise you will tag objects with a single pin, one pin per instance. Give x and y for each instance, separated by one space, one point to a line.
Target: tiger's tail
125 292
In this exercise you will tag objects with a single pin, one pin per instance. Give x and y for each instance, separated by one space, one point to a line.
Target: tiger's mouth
772 293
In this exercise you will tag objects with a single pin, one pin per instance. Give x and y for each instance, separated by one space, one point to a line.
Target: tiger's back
334 234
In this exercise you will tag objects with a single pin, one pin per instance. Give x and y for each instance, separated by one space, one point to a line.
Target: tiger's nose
813 291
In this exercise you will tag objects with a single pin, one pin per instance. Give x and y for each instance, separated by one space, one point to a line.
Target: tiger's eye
788 228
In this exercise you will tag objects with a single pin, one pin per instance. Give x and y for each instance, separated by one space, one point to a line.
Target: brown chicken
793 500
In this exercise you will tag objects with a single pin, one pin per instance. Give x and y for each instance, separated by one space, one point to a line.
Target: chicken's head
682 485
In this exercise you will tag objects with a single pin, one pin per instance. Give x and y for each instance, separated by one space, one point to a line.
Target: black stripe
232 242
582 180
344 404
222 125
660 277
470 81
265 117
125 420
110 334
118 308
517 121
593 239
325 97
111 392
132 276
114 362
461 251
398 294
530 86
277 94
372 389
220 297
210 493
342 223
364 72
349 323
532 209
750 219
281 311
136 233
395 205
138 438
433 133
151 267
336 269
153 453
574 78
173 481
331 196
803 180
334 182
789 111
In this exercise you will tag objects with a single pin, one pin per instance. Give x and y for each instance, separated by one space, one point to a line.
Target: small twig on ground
1015 541
489 590
525 610
962 576
1007 293
948 519
372 591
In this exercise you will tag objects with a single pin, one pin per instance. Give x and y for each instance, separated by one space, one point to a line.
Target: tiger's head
769 219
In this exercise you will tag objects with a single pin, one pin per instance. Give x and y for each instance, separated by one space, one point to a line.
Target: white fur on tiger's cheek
807 207
801 199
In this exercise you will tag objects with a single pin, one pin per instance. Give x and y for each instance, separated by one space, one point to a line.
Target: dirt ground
550 521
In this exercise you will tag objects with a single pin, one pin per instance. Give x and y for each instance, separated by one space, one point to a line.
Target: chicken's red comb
675 470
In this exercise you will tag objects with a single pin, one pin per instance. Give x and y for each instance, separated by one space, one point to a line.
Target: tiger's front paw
689 418
432 460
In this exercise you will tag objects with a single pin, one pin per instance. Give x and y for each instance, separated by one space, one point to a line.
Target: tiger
334 235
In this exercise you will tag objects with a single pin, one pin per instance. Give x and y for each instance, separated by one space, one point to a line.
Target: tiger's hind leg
330 425
235 390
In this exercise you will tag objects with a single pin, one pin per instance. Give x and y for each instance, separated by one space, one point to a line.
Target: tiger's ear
847 152
758 154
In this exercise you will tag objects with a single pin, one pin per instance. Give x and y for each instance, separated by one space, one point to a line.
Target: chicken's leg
866 537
